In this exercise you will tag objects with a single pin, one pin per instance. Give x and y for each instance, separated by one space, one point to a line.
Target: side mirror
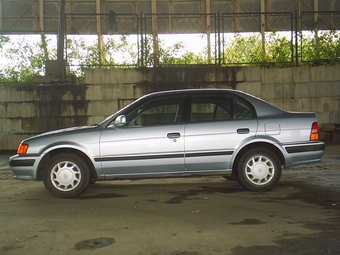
120 121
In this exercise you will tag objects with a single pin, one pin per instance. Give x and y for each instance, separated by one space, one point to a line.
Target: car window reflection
156 112
218 108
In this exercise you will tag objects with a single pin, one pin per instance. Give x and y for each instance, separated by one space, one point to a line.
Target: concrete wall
29 109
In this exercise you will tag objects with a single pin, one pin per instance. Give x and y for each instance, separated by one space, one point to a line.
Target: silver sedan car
174 133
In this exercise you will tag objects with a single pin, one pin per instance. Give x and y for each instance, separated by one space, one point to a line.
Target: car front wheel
67 175
259 170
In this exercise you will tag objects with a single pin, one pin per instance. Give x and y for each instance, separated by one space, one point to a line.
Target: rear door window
209 108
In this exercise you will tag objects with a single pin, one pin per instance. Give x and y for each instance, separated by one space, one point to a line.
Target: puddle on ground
178 197
102 195
94 243
186 253
248 222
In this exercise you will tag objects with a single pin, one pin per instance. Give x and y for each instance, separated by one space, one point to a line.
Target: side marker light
22 149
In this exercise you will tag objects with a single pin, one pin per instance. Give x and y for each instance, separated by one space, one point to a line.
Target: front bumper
23 168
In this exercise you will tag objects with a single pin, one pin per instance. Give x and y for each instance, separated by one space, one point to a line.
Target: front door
151 142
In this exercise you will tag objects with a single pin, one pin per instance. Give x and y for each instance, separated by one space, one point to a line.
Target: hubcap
259 170
65 176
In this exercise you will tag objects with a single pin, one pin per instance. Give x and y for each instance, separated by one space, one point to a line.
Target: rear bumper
305 153
319 146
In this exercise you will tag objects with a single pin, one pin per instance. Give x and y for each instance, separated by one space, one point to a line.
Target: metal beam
208 29
316 8
101 51
61 41
69 22
263 27
155 32
331 17
41 15
1 17
18 16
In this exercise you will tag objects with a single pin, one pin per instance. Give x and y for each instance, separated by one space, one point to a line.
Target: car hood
64 131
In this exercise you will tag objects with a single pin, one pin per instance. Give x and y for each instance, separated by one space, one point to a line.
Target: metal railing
255 31
224 39
320 38
175 26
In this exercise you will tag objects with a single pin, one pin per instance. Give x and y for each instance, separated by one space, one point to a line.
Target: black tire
67 175
259 170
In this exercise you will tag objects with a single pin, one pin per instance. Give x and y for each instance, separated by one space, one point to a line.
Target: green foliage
167 56
321 47
278 49
318 48
3 40
243 50
24 59
78 53
251 51
86 53
171 55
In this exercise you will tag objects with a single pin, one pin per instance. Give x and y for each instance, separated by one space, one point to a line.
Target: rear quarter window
242 110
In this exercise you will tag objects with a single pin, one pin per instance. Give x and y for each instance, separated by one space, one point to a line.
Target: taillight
22 149
314 134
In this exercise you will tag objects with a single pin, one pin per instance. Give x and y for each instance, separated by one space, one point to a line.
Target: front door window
157 112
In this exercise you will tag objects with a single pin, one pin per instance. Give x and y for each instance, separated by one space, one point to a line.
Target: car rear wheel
67 175
259 170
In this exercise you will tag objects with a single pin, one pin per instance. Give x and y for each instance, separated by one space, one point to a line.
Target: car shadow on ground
179 189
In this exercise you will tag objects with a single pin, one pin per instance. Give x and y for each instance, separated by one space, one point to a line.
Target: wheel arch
258 145
51 154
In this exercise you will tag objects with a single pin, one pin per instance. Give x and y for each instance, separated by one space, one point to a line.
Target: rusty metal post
101 51
155 32
208 29
61 41
263 30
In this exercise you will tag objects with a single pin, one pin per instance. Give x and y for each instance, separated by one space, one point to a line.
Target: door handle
174 135
243 131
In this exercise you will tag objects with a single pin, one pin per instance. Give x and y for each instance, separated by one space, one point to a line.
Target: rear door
218 125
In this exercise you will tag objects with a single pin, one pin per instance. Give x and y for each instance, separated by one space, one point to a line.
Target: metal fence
158 29
271 38
322 32
109 46
255 33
